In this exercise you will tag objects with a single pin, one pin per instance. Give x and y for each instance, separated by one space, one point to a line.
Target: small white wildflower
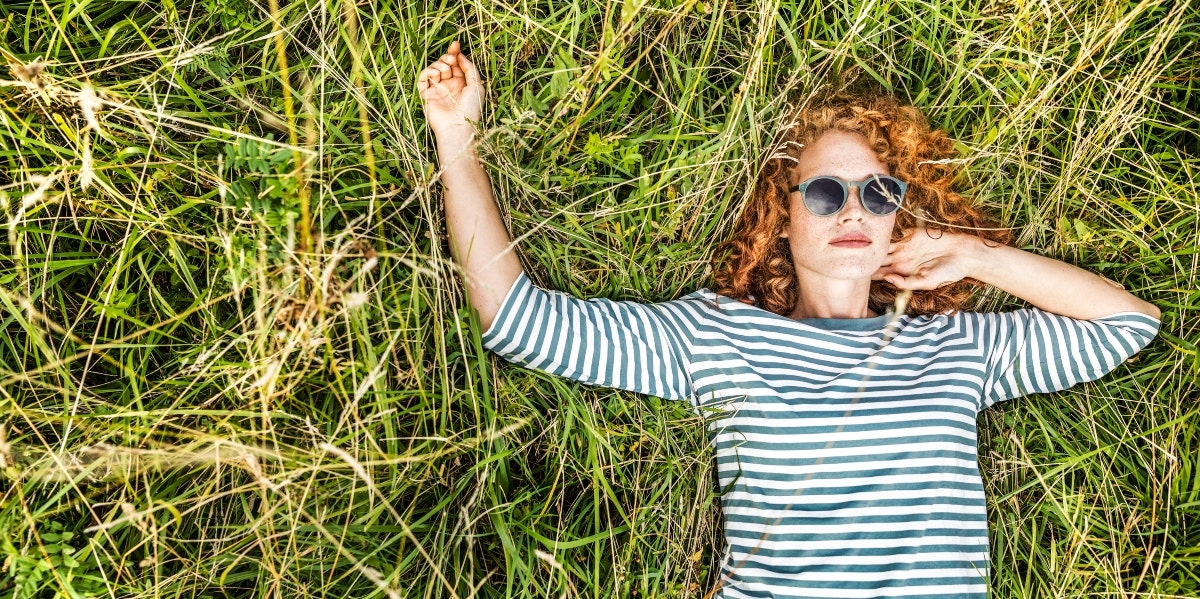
29 73
548 558
39 193
355 299
89 103
367 266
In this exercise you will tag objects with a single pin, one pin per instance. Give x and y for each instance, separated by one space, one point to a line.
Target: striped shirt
845 448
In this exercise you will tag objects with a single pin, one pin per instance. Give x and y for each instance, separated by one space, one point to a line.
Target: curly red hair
755 266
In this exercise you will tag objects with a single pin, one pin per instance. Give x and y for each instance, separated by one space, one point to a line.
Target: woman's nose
853 208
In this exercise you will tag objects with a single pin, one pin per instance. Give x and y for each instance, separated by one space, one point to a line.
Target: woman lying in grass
845 434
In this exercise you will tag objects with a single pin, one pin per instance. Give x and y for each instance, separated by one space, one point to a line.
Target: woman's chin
846 272
856 269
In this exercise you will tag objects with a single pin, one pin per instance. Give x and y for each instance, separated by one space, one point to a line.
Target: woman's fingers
434 77
431 87
429 76
446 64
903 278
425 79
468 67
918 281
452 64
450 87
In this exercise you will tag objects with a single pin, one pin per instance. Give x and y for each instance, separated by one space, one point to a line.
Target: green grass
199 398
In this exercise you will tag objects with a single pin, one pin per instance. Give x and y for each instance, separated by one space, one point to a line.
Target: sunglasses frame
846 186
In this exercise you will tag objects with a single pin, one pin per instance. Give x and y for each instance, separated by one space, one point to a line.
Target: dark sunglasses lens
824 196
882 196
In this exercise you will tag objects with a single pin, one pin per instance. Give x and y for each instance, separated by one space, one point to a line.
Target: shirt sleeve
1034 351
627 345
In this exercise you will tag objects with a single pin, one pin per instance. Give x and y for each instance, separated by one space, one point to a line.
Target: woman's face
852 243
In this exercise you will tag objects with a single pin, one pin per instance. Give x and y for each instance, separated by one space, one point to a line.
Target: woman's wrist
454 144
978 257
457 131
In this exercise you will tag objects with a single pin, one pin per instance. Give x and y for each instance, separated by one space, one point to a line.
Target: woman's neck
820 297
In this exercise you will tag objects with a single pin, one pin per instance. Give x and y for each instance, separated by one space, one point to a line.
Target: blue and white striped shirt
846 447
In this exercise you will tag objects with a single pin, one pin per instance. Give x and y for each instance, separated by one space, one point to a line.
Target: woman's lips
852 240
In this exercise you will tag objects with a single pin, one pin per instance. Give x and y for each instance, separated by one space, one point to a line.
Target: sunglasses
880 194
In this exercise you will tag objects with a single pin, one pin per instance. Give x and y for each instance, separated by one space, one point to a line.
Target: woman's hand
451 91
928 260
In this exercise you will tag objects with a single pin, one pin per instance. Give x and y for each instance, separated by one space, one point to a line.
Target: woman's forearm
478 239
1052 285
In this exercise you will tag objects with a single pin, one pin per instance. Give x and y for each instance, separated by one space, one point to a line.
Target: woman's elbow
1150 310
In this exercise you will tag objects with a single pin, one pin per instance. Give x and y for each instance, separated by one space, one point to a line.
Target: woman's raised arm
453 96
643 348
924 261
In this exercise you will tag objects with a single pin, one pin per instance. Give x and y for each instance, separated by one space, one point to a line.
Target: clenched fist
451 91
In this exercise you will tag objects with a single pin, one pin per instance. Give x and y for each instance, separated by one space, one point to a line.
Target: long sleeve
1033 351
626 345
